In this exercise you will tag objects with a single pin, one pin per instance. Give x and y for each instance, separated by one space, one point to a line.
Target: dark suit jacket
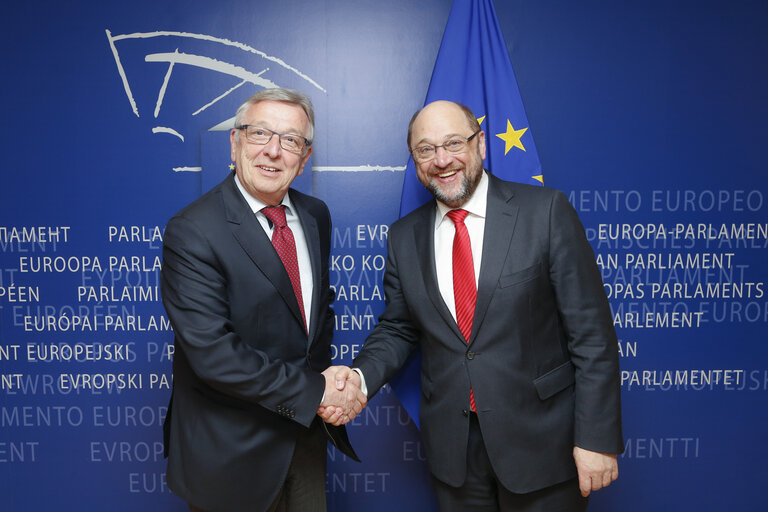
542 359
246 375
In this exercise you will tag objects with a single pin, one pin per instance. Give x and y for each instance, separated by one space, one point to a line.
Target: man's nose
442 156
272 147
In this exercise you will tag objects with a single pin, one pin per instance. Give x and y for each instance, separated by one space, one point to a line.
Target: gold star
539 177
512 137
480 120
231 167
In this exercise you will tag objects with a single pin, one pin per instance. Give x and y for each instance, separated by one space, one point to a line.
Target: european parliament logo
191 75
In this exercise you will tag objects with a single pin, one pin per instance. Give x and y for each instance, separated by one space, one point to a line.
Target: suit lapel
500 220
255 242
312 236
424 245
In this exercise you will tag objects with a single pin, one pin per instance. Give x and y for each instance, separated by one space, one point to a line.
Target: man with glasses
497 284
245 284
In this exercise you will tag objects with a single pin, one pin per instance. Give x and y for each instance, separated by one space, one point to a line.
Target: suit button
470 355
465 412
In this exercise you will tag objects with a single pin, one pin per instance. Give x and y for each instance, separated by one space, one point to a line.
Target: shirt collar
476 205
256 205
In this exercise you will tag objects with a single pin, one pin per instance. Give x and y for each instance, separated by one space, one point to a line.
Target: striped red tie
285 245
464 287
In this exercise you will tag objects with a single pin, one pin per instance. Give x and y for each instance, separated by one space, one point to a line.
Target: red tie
464 287
285 245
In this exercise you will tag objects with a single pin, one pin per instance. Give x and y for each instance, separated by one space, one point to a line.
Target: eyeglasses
288 141
427 152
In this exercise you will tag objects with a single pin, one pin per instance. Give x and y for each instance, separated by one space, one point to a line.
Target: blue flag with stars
473 68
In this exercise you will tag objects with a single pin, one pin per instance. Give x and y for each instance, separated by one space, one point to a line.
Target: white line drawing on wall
246 76
183 58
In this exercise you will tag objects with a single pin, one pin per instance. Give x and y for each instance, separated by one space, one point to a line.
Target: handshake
343 399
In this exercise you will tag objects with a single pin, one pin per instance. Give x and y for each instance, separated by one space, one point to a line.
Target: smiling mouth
268 169
447 174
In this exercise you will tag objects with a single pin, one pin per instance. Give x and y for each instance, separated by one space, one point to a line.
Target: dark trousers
482 491
304 487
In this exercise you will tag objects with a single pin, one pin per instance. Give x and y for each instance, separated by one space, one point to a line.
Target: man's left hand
596 470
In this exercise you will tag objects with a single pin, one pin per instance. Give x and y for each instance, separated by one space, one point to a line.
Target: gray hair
279 94
471 119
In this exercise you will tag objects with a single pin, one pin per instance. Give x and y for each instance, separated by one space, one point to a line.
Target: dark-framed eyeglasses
427 152
288 141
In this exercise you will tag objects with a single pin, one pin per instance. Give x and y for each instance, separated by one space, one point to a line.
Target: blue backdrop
650 116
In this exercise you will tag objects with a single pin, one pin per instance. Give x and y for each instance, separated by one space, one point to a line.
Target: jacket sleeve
586 318
394 338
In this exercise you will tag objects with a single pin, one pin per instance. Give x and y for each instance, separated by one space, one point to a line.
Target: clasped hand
343 399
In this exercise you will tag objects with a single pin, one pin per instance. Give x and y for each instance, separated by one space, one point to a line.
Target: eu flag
473 68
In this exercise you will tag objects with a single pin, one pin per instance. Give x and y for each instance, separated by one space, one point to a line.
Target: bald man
496 282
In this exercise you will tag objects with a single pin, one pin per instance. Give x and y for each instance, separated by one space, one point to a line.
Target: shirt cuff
363 387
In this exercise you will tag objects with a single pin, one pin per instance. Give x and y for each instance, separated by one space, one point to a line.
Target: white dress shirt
302 251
